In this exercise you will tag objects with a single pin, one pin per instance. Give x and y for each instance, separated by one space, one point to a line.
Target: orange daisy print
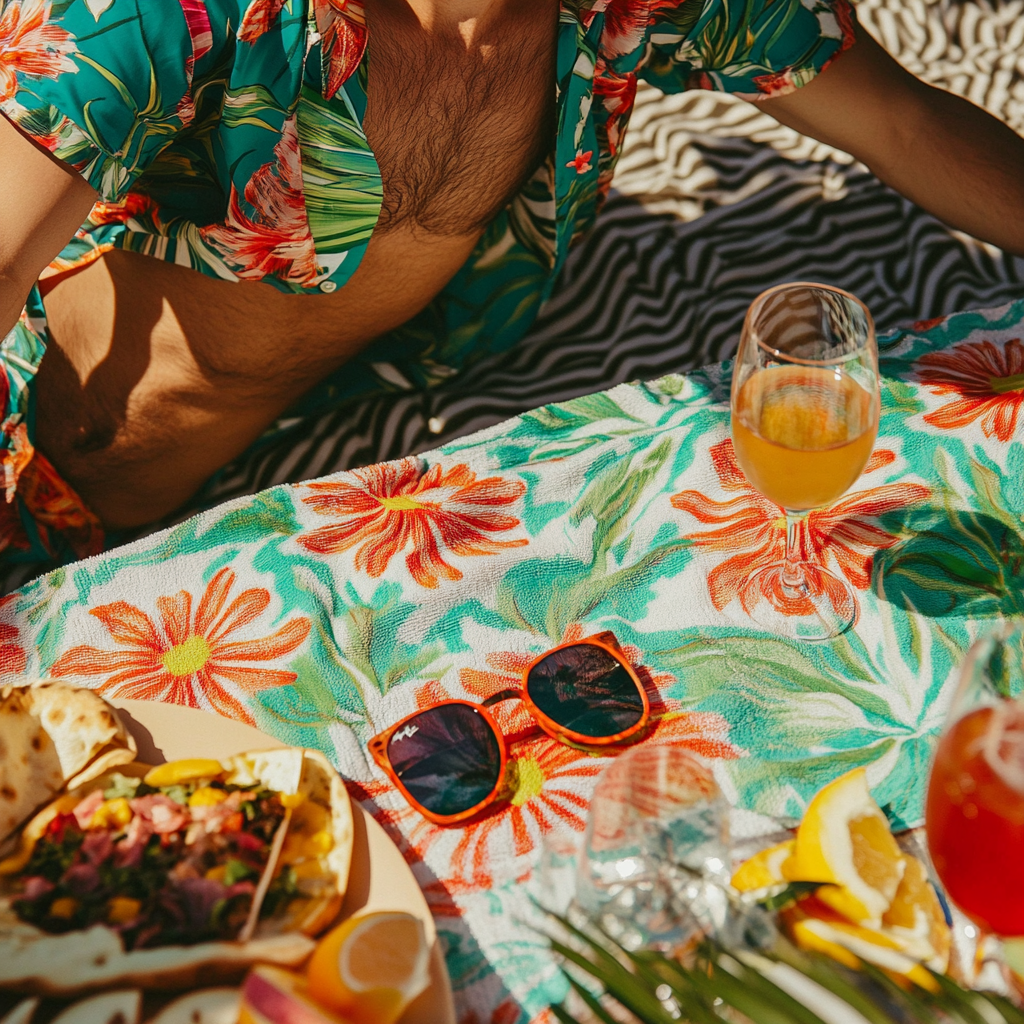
988 382
753 529
190 656
31 46
392 507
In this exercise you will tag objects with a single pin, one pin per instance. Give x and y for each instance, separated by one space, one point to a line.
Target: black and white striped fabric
713 202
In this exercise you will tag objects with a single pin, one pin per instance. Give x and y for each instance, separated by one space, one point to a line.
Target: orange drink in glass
803 434
804 419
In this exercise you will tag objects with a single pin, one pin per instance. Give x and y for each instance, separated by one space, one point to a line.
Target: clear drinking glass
974 813
804 418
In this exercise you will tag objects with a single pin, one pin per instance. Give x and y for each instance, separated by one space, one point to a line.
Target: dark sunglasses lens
447 757
583 688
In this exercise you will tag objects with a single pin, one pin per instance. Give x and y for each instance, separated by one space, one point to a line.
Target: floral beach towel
323 612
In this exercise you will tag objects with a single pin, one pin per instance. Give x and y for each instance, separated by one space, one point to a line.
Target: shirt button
328 286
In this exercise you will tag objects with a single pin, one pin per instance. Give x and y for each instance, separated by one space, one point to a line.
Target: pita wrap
124 1007
53 735
207 1006
309 863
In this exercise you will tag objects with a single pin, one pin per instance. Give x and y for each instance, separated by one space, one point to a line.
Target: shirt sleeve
103 84
755 49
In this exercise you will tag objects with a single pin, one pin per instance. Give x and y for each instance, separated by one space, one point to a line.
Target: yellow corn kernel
64 907
308 869
216 873
318 844
207 796
293 848
187 770
291 799
111 812
310 817
122 908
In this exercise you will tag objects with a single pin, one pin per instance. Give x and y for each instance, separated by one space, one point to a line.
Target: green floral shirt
226 135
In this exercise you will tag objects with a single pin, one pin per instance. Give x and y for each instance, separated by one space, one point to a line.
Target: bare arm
939 150
42 203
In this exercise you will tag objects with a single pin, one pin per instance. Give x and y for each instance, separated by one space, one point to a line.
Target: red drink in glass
975 815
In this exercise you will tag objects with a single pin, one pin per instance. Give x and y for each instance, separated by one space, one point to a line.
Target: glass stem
793 577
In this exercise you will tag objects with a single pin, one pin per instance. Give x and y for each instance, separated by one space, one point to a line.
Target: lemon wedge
844 839
370 967
764 869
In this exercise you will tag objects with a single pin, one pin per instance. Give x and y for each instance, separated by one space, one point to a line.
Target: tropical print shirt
226 135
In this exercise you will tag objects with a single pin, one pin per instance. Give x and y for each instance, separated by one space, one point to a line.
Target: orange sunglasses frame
607 641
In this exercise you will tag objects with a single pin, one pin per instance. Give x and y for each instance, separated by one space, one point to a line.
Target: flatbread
53 735
39 962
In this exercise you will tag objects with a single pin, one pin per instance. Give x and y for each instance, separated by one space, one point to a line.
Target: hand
939 150
43 203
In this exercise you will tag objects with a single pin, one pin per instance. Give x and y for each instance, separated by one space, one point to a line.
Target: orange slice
764 869
915 917
371 967
844 839
850 943
813 925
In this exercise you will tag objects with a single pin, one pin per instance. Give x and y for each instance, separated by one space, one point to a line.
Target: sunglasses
449 760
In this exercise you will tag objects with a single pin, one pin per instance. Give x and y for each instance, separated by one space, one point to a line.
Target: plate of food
160 849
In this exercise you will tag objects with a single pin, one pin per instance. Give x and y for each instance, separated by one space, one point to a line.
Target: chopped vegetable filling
161 865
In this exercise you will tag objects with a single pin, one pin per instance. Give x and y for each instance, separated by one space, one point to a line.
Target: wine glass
804 419
974 811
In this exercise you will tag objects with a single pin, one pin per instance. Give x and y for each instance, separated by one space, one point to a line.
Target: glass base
822 608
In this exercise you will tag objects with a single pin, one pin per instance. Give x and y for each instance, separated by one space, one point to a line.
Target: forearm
944 153
962 165
42 203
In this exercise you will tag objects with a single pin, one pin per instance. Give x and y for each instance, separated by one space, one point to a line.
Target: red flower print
16 456
12 530
276 240
987 380
617 93
778 83
12 654
342 28
55 507
258 17
200 32
624 24
927 325
581 161
386 508
31 46
134 204
189 657
755 529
